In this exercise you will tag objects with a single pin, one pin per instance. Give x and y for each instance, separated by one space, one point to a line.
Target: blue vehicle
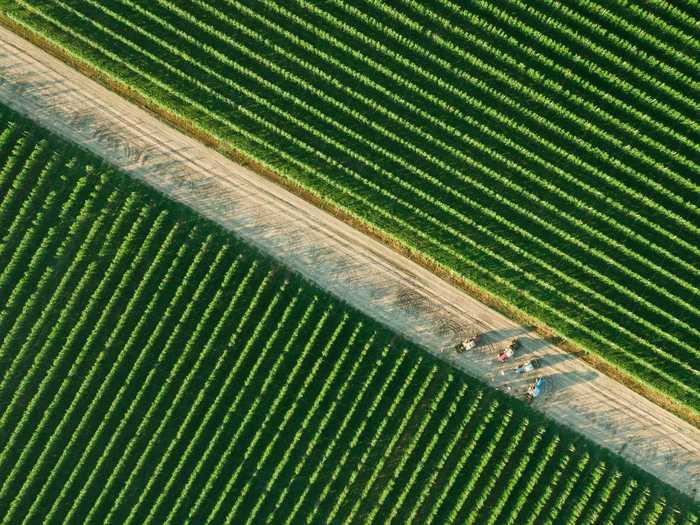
535 389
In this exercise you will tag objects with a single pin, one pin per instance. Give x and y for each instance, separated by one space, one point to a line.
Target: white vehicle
468 343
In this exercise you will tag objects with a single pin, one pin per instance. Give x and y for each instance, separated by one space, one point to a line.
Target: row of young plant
42 237
42 277
135 331
80 365
141 391
412 54
370 393
333 383
632 28
30 359
22 221
524 483
348 465
416 409
190 417
69 342
132 344
247 447
443 455
58 231
644 92
184 387
35 158
485 493
184 489
351 388
20 218
359 78
246 417
549 73
295 404
448 421
613 50
240 374
77 250
449 63
665 47
673 18
10 140
18 262
383 432
95 297
16 146
95 380
40 261
13 310
200 308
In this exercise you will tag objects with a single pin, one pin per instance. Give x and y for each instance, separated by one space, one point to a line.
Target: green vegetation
546 153
155 370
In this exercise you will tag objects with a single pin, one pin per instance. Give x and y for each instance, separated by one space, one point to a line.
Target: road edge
599 363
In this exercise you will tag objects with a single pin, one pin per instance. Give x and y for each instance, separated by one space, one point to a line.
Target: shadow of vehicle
496 336
552 359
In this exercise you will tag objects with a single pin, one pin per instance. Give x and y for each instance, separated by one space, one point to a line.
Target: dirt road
362 271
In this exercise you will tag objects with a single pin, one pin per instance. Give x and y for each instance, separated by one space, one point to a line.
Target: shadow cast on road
496 336
552 359
562 381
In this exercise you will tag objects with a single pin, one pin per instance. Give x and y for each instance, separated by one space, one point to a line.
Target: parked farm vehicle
528 366
509 351
468 343
535 389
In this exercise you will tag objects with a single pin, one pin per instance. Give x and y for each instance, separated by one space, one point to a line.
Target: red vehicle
509 351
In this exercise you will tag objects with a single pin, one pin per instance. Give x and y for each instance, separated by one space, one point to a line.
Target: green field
153 369
546 153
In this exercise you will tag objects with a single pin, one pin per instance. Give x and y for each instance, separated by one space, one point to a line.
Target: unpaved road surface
367 274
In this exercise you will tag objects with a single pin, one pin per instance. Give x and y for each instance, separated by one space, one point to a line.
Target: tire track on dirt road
368 275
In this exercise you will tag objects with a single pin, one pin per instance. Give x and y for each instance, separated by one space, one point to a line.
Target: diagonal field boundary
362 271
